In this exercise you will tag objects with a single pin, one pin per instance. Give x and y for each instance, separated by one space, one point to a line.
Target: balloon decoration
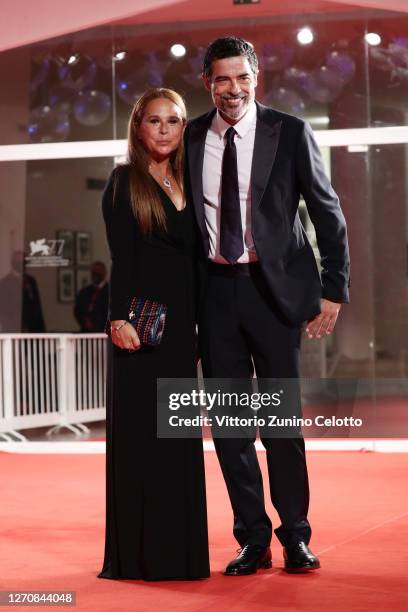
284 98
276 56
104 61
323 85
130 86
341 63
61 96
381 60
92 107
48 124
40 74
392 59
193 76
80 74
398 51
64 90
295 77
295 86
72 91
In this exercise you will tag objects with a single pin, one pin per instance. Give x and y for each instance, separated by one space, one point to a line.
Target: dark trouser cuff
288 536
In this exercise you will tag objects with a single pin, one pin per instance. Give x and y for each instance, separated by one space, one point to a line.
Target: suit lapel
267 134
266 144
195 155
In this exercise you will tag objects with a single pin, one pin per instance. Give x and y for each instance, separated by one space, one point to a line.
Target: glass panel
52 212
349 351
324 81
58 90
62 89
371 336
13 179
388 72
389 228
334 81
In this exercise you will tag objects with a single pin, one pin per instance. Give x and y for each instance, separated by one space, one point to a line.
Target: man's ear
206 81
256 78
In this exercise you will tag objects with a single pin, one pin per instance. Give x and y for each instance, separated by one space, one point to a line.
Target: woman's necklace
164 179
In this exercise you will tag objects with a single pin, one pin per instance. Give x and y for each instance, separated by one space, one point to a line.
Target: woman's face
161 128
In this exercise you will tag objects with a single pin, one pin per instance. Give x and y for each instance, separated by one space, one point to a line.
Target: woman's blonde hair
146 203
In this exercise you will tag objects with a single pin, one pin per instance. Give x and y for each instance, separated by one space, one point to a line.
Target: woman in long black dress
156 521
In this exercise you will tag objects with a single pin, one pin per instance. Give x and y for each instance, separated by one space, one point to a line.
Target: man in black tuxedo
247 166
91 303
21 309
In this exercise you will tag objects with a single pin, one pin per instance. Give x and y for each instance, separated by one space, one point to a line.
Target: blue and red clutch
148 318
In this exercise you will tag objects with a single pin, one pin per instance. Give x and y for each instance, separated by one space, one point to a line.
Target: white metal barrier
55 380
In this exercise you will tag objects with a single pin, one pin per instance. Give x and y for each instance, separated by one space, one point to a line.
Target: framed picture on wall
83 248
66 247
83 278
66 285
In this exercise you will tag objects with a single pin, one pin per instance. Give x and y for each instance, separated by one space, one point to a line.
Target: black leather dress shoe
299 558
249 560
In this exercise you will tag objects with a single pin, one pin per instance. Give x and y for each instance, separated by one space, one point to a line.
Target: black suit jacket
286 164
21 315
98 315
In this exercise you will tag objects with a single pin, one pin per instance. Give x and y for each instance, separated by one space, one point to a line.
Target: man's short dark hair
229 46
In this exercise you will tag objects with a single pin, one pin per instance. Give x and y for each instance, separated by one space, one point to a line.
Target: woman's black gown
156 520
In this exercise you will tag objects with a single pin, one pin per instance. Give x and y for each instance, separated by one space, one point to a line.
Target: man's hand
324 322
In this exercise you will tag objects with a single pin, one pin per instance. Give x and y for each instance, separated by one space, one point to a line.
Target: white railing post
8 382
44 385
70 374
63 387
62 378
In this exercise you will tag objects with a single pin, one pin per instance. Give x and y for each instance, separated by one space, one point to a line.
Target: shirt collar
242 127
101 284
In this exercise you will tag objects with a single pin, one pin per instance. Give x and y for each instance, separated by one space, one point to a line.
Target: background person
91 302
16 285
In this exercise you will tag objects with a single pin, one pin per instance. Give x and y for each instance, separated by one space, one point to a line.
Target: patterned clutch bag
148 318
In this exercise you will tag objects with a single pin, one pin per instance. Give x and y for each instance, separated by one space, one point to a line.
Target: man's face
17 261
98 273
232 85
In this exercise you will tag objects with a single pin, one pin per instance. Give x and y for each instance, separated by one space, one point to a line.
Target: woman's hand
126 337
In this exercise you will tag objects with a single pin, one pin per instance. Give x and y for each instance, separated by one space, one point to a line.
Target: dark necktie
231 241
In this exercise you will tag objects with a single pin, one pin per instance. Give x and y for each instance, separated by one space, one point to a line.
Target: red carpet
52 529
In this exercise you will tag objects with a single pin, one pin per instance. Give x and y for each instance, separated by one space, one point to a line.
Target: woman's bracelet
119 326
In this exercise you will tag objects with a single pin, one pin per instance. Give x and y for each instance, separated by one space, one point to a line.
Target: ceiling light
119 56
178 50
73 59
372 38
305 36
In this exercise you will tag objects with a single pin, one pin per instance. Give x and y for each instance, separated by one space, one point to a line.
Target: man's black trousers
239 328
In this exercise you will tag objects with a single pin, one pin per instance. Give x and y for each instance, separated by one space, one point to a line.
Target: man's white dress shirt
213 153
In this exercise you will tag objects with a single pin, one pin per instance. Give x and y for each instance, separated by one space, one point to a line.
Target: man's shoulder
30 279
84 292
272 115
201 120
